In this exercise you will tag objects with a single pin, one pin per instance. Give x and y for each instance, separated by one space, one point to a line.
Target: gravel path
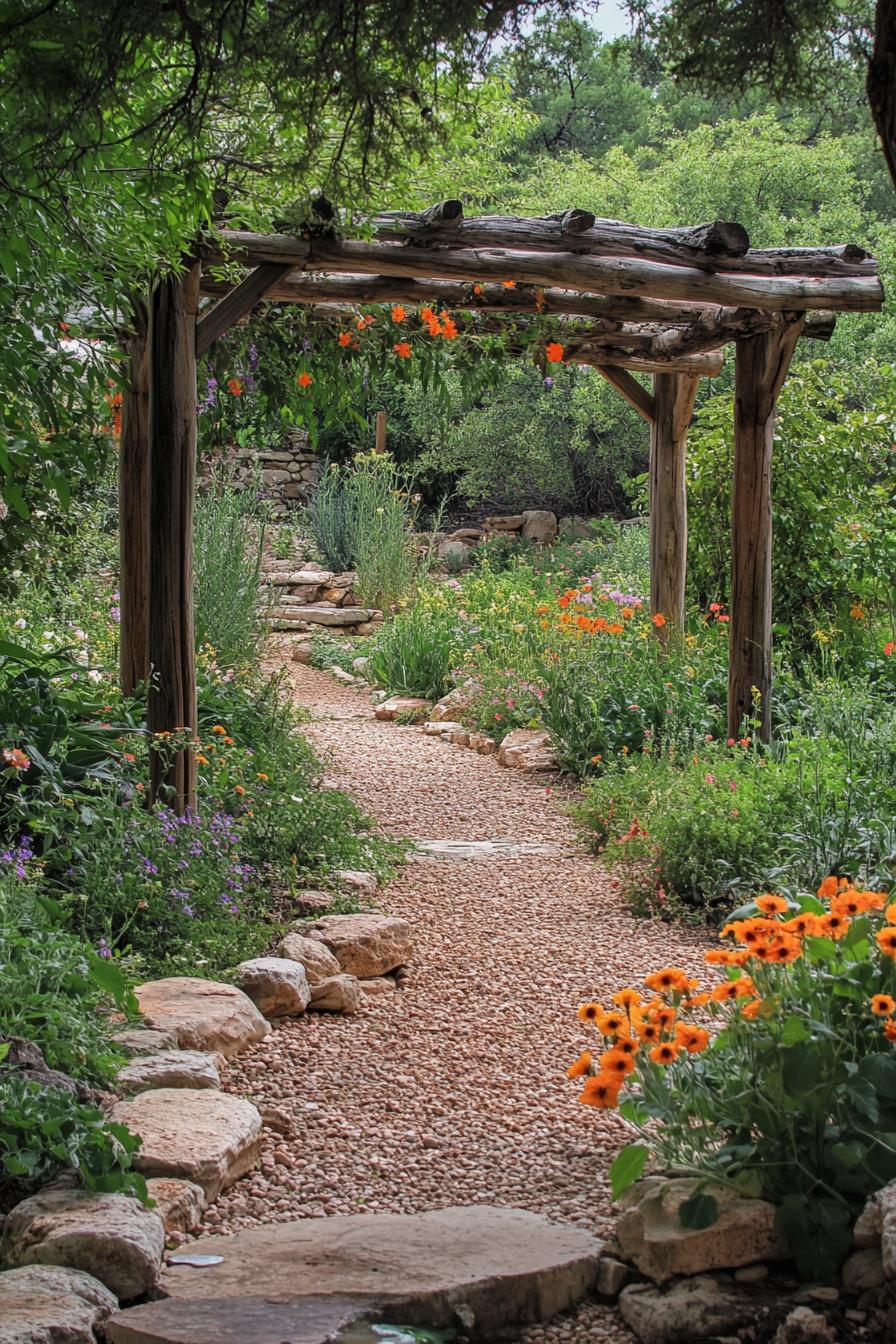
453 1091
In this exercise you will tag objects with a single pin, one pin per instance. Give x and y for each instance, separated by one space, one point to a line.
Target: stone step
296 578
323 615
478 1268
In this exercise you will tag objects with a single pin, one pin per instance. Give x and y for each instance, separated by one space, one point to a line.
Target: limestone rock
527 749
259 1320
312 903
302 652
612 1276
864 1269
113 1237
650 1233
455 551
805 1326
364 945
144 1040
206 1137
278 986
336 994
539 525
511 522
459 737
699 1308
169 1068
202 1014
359 666
442 728
377 985
574 526
365 884
44 1304
367 627
400 704
455 702
179 1204
340 674
336 615
483 744
318 961
876 1224
487 1269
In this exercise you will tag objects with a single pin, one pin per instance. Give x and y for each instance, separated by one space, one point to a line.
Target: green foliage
45 1133
228 547
833 488
416 651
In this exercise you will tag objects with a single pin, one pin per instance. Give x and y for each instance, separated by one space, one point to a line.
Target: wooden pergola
630 300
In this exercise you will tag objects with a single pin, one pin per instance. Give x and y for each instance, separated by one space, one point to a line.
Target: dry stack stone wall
287 475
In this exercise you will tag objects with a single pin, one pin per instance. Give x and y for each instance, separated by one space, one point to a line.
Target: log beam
761 366
171 699
595 275
635 394
236 304
133 510
673 397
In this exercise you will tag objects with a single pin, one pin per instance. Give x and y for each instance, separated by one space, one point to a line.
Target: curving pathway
453 1091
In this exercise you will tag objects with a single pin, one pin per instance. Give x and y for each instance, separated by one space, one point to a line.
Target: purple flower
115 613
253 358
104 949
148 865
549 383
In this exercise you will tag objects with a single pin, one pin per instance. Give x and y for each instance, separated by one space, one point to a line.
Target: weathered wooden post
673 396
171 700
761 366
380 442
133 509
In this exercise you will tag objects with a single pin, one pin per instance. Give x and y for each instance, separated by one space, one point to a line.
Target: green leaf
632 1111
794 1031
880 1072
698 1212
627 1166
800 1069
110 978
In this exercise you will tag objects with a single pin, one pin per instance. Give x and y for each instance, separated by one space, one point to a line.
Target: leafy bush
227 553
792 1096
417 650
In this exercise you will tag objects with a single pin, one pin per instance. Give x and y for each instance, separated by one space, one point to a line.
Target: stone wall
286 475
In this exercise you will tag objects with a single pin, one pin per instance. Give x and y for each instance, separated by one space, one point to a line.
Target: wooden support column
673 395
762 362
380 441
133 510
171 700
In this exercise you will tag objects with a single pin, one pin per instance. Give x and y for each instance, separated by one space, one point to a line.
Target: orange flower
202 760
800 924
304 380
509 284
853 903
832 926
555 353
882 1005
722 957
402 349
830 886
449 329
662 1015
260 774
772 905
427 315
477 289
750 1011
616 1062
238 788
610 1024
659 620
627 999
16 759
624 1045
398 313
234 387
581 1066
665 1053
890 1031
733 989
691 1038
602 1092
669 979
218 729
345 338
589 1012
648 1031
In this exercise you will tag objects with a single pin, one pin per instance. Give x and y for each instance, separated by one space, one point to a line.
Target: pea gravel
453 1090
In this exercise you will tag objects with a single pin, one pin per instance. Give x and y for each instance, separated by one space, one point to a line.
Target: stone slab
400 704
335 615
144 1040
206 1137
202 1014
259 1320
484 1268
169 1068
480 849
46 1304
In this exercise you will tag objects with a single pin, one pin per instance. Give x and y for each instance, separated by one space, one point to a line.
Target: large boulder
43 1304
700 1308
651 1236
364 945
202 1014
483 1268
169 1068
527 749
397 705
206 1137
539 526
455 702
337 994
276 985
259 1320
113 1237
317 961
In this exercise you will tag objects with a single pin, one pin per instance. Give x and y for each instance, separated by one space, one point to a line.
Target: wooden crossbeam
594 275
237 303
631 389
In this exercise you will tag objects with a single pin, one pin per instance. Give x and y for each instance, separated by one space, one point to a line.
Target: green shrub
227 553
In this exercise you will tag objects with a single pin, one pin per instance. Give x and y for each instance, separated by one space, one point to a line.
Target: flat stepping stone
206 1137
169 1068
202 1014
484 1268
401 704
314 1320
479 849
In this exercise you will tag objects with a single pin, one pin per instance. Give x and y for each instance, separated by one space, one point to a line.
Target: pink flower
710 779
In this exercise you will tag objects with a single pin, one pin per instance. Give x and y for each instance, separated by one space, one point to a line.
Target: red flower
659 620
345 338
304 380
402 349
234 387
555 353
890 649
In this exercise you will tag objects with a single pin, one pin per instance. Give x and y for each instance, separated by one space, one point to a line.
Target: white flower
16 574
21 623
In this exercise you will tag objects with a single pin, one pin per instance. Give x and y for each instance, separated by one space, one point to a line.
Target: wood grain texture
133 509
673 395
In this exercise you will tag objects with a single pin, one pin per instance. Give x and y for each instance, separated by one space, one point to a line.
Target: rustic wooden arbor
659 302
